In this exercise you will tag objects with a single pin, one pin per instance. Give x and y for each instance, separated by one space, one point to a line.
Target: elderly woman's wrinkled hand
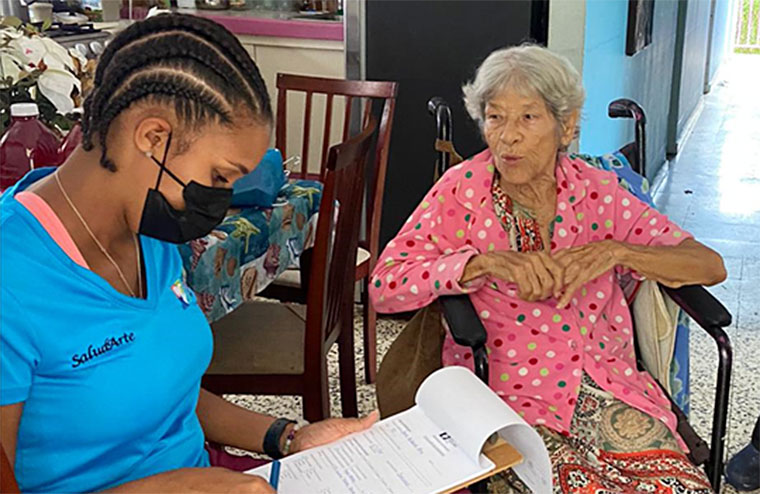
536 274
585 263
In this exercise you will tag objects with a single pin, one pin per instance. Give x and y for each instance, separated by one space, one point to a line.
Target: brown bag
414 355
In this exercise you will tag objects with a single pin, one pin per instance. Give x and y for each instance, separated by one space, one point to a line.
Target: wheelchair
467 329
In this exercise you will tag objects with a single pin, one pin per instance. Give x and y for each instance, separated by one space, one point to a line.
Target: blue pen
274 474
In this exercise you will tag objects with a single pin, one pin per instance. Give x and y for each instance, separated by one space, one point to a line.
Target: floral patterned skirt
611 448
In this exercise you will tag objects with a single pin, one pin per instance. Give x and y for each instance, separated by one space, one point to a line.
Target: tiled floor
713 190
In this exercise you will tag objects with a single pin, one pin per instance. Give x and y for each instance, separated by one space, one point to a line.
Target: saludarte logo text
96 351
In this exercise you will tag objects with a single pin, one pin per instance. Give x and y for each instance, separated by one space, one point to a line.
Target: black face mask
205 208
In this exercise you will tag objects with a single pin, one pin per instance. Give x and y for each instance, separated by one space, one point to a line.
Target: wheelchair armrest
710 314
705 309
467 329
464 323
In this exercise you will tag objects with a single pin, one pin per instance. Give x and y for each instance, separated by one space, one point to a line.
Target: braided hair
187 62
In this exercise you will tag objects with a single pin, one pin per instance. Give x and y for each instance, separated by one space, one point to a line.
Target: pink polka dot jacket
537 352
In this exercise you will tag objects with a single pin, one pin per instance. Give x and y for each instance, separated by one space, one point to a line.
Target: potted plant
35 68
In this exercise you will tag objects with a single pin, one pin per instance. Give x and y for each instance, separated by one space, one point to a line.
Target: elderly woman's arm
421 263
688 263
646 242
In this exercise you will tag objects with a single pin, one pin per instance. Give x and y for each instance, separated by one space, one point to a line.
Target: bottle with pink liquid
26 144
71 141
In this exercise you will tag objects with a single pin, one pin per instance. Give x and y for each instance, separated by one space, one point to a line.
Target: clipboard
502 454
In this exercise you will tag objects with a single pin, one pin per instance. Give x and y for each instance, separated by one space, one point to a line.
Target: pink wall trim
256 26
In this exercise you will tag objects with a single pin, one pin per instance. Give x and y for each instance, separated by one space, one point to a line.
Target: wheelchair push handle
626 108
438 108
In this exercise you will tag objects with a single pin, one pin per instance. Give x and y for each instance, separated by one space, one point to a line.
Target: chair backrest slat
282 119
331 279
306 133
327 127
347 116
367 112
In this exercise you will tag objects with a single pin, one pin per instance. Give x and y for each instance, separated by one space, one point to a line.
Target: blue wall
608 74
694 60
721 34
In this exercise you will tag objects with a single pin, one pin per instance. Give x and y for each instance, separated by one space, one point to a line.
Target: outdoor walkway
713 190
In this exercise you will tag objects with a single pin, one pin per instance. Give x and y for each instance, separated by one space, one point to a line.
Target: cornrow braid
177 46
204 29
192 64
193 100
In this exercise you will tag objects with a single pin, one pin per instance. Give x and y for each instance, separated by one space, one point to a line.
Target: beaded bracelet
289 439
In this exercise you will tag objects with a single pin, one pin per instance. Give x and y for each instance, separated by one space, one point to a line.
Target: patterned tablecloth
251 248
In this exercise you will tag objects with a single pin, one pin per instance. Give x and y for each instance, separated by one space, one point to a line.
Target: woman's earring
148 154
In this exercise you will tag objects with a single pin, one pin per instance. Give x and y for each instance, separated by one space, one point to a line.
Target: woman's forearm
475 268
226 423
195 480
689 263
171 481
403 285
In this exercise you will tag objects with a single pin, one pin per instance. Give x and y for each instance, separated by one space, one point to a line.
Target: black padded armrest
710 314
467 330
705 309
464 323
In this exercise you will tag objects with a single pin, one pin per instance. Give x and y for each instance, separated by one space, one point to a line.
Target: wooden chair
288 286
277 348
7 476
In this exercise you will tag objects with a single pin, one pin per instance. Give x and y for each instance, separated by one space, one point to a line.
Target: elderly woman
537 239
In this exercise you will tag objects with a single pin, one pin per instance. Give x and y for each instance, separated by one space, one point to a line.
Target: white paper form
455 399
406 453
432 447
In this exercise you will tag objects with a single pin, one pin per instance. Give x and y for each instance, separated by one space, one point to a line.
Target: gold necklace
100 246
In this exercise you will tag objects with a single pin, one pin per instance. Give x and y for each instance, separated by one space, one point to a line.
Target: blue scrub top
109 382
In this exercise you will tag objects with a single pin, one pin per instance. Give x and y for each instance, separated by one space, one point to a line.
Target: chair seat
292 277
260 338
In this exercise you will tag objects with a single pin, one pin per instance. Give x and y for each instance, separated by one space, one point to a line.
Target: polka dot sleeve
421 263
639 224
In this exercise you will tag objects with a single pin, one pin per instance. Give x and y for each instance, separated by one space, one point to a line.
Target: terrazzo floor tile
728 294
749 305
734 267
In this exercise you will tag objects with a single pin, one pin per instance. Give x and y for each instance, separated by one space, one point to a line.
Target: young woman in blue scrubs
102 346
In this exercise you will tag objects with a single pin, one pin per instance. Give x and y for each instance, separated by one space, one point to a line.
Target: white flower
32 49
76 54
10 66
12 60
25 53
37 49
10 32
57 85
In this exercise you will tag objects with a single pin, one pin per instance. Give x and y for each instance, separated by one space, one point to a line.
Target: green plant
748 27
34 68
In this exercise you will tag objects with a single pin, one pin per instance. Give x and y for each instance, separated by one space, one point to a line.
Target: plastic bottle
71 141
27 144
